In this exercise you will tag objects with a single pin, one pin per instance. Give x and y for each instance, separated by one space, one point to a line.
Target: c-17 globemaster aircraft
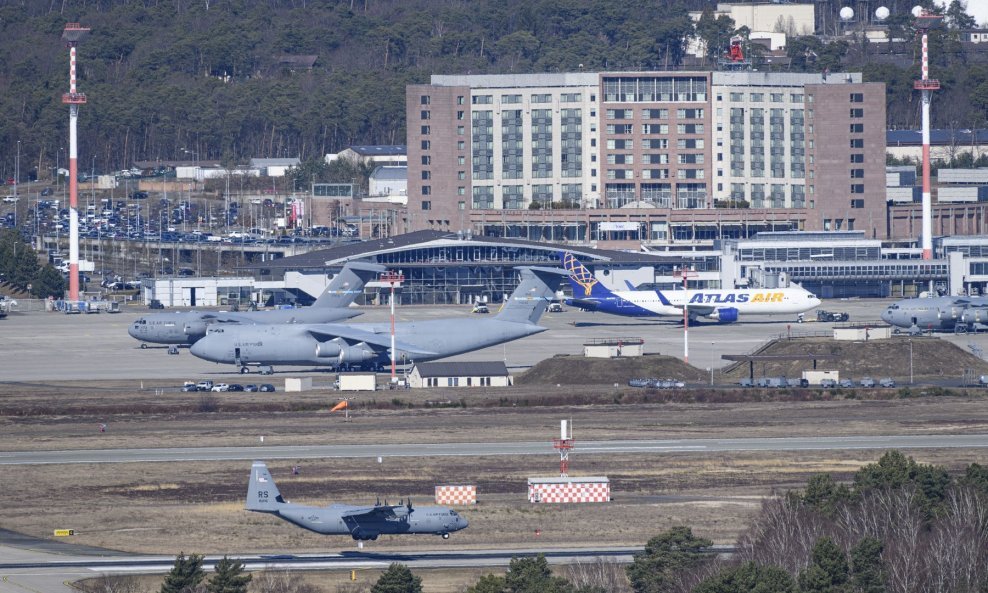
368 344
187 327
941 313
359 522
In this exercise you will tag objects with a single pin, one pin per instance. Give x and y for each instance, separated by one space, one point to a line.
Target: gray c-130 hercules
187 327
958 314
369 344
359 522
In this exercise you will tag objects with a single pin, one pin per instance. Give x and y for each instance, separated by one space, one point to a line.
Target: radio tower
564 444
924 21
72 35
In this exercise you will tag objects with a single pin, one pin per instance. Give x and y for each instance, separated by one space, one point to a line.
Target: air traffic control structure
567 489
72 35
924 21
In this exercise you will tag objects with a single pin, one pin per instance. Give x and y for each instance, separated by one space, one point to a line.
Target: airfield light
394 279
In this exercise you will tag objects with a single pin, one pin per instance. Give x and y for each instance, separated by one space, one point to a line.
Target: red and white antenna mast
924 21
394 279
72 35
564 444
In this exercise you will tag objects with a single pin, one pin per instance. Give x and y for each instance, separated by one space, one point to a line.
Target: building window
857 188
857 113
461 174
776 97
737 96
426 190
426 130
460 130
426 175
857 158
461 145
757 97
426 205
510 99
857 173
460 115
856 143
461 160
796 97
459 100
425 99
426 115
426 145
857 97
426 159
857 128
461 191
542 98
482 99
857 203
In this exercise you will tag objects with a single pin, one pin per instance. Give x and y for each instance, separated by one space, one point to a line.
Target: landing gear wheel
244 370
445 536
144 346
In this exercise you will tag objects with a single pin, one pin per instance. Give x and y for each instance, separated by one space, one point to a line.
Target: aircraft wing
352 335
702 310
368 512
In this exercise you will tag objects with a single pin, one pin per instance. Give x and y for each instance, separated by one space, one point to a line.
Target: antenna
564 444
72 35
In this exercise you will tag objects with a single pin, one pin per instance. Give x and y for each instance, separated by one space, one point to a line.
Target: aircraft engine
725 315
194 328
972 315
327 350
359 353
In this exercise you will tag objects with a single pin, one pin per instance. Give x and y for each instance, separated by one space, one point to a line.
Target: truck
831 316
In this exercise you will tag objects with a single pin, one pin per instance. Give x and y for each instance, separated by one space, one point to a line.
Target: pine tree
185 575
397 579
229 577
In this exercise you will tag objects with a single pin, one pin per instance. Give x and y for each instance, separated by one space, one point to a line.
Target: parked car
887 382
220 387
251 387
204 385
746 382
832 316
866 382
190 386
828 383
235 387
480 308
266 387
555 308
846 383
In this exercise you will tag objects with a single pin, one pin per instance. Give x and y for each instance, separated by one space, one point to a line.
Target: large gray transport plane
187 327
958 314
368 344
359 522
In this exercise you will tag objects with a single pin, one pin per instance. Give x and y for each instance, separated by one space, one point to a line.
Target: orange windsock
339 406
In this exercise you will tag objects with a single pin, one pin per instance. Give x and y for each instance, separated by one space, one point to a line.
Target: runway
643 447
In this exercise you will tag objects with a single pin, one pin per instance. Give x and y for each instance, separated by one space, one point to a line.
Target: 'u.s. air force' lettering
717 297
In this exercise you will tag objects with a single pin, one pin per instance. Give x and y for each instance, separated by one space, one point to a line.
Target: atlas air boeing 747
725 306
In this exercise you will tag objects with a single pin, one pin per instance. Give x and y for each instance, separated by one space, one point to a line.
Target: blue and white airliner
725 306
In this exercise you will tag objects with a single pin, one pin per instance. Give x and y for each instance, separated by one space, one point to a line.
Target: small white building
274 167
459 374
198 292
388 181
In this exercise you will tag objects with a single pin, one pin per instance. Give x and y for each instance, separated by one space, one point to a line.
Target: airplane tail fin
262 494
344 288
529 301
582 280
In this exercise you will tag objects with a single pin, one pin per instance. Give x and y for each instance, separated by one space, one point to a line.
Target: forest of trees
204 79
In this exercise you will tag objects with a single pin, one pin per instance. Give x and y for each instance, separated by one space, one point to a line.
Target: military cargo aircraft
940 313
186 327
724 306
367 345
359 522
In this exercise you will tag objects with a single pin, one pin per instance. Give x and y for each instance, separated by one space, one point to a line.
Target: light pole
17 179
910 362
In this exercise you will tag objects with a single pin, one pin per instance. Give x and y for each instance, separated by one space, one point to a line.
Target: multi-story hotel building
665 158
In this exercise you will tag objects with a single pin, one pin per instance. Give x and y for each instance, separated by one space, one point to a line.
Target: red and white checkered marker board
566 492
456 495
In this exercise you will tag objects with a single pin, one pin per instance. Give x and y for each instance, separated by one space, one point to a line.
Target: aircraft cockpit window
453 513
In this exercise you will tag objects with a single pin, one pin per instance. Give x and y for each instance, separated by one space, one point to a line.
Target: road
643 447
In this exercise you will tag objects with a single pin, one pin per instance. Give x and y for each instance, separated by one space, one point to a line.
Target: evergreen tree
533 575
185 576
664 556
828 572
488 584
867 570
229 577
748 578
397 579
48 282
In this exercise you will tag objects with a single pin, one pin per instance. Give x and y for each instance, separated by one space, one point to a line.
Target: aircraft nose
462 522
204 349
132 330
886 316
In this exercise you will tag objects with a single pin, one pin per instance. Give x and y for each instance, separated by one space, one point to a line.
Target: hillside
577 370
231 79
